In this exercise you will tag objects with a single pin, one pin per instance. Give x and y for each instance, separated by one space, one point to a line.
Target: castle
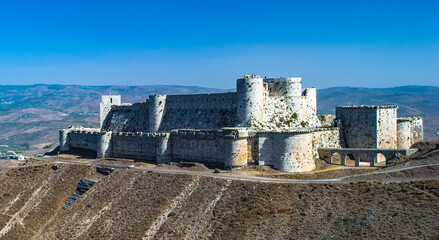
267 121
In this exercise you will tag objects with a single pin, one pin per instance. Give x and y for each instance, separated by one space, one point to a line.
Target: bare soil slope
133 205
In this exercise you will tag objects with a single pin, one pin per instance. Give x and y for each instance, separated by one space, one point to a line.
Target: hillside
131 204
30 116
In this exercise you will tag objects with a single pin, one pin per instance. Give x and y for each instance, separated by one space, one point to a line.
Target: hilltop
30 116
133 204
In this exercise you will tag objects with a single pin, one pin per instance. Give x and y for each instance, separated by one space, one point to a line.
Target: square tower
367 126
105 106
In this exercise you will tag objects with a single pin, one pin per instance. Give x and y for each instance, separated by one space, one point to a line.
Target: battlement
302 131
288 87
409 119
369 107
234 133
267 121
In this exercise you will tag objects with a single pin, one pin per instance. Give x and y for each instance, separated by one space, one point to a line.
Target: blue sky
211 43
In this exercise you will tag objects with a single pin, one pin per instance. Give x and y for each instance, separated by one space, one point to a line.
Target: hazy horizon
195 86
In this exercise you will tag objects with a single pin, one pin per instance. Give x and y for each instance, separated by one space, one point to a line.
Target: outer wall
198 149
359 127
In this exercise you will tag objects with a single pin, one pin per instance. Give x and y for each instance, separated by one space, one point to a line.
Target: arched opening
350 160
335 158
364 157
380 160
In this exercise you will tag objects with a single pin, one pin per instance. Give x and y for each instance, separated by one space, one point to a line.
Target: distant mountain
412 101
30 116
74 98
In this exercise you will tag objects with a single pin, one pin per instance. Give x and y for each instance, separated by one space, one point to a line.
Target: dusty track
344 179
176 204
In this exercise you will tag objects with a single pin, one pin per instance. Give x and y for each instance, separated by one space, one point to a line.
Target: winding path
344 179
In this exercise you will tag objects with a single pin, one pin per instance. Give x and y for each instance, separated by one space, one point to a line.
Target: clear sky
211 43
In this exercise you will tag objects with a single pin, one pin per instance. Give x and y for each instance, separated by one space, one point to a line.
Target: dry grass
128 204
125 204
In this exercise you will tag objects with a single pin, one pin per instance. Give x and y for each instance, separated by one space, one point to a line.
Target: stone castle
267 121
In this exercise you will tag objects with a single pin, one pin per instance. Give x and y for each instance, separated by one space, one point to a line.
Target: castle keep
267 121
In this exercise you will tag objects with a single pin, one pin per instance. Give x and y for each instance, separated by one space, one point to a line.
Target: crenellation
267 121
368 106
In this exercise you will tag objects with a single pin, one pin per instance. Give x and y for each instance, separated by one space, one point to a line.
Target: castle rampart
126 118
268 121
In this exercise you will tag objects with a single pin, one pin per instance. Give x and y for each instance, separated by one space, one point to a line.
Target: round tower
164 148
63 140
311 102
235 152
295 152
104 145
293 87
250 99
156 111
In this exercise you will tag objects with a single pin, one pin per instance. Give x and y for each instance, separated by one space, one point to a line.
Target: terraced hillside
129 204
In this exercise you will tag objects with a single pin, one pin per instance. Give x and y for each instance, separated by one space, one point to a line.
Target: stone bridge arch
357 154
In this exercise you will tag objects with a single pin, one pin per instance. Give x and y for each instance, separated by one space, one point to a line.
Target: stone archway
335 158
364 157
380 158
350 159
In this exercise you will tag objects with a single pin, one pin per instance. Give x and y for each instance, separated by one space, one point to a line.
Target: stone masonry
267 121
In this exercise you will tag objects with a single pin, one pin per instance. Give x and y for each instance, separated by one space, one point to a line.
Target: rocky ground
129 204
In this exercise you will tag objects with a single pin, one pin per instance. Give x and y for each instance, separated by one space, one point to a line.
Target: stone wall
309 106
367 126
283 113
267 104
327 120
287 87
250 100
386 128
105 106
140 146
325 138
201 111
267 121
157 105
84 139
205 146
229 147
358 126
128 118
295 151
410 130
163 113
